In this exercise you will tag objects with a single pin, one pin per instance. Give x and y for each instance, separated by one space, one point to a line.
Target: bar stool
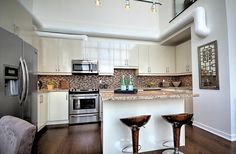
177 120
135 123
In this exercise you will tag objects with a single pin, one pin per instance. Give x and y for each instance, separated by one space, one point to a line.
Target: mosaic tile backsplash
111 82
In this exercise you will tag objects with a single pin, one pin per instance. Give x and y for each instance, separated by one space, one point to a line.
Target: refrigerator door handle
27 81
23 90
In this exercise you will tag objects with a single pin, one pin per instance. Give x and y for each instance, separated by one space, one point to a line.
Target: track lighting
154 7
127 4
98 2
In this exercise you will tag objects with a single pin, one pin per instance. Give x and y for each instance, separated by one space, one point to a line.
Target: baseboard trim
230 137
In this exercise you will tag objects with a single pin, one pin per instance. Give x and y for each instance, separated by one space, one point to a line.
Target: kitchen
121 55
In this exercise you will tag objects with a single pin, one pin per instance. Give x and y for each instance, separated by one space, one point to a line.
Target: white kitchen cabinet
105 59
47 56
132 55
156 60
68 50
90 50
144 65
184 58
125 55
58 106
165 60
56 55
188 105
42 110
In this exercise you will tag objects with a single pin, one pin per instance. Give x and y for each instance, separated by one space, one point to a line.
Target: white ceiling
109 19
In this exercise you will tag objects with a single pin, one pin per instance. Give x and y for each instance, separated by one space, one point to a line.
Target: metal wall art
208 66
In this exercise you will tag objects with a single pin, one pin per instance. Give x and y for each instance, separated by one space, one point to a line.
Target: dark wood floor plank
86 139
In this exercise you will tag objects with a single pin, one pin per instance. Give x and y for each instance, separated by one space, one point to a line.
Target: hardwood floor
86 139
77 139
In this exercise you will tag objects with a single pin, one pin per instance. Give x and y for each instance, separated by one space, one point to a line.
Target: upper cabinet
90 50
55 55
156 60
105 58
184 58
125 55
102 52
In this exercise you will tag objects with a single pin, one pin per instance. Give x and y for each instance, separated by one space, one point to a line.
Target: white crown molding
60 35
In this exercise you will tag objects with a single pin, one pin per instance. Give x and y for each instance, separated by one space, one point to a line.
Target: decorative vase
50 87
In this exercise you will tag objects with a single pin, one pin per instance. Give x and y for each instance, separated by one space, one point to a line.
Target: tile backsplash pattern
92 81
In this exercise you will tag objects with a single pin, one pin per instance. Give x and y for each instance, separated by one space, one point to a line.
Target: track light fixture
154 7
98 2
127 4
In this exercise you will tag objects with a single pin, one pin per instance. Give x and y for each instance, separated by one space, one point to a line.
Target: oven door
83 103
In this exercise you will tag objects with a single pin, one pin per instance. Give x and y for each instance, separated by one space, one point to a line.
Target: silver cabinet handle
167 69
41 99
66 96
149 69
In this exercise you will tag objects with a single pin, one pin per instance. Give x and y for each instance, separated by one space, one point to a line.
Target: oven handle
84 97
84 115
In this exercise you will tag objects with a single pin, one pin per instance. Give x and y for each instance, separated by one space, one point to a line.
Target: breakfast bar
116 135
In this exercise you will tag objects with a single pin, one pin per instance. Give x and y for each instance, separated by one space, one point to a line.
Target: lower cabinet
42 110
58 104
189 105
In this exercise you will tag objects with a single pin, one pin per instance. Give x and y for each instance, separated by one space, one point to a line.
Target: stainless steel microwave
84 67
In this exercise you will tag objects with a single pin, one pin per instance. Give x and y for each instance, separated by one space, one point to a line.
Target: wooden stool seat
177 120
181 119
135 123
138 121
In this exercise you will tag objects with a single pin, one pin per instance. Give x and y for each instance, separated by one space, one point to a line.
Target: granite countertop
108 95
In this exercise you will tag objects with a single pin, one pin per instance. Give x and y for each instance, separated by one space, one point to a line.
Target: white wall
166 12
231 11
111 17
212 109
14 18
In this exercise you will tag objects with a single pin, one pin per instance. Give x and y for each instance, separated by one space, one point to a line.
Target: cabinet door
189 57
105 60
132 55
167 59
120 56
68 49
42 110
58 106
48 55
91 50
155 59
183 57
143 59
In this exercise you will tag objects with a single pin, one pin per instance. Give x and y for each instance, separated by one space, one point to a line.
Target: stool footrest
171 151
130 146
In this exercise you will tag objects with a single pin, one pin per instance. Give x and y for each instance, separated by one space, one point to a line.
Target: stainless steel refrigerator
18 79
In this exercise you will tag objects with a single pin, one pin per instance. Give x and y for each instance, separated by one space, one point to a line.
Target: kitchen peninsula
116 135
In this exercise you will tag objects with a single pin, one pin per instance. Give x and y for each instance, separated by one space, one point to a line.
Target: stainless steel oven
83 106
